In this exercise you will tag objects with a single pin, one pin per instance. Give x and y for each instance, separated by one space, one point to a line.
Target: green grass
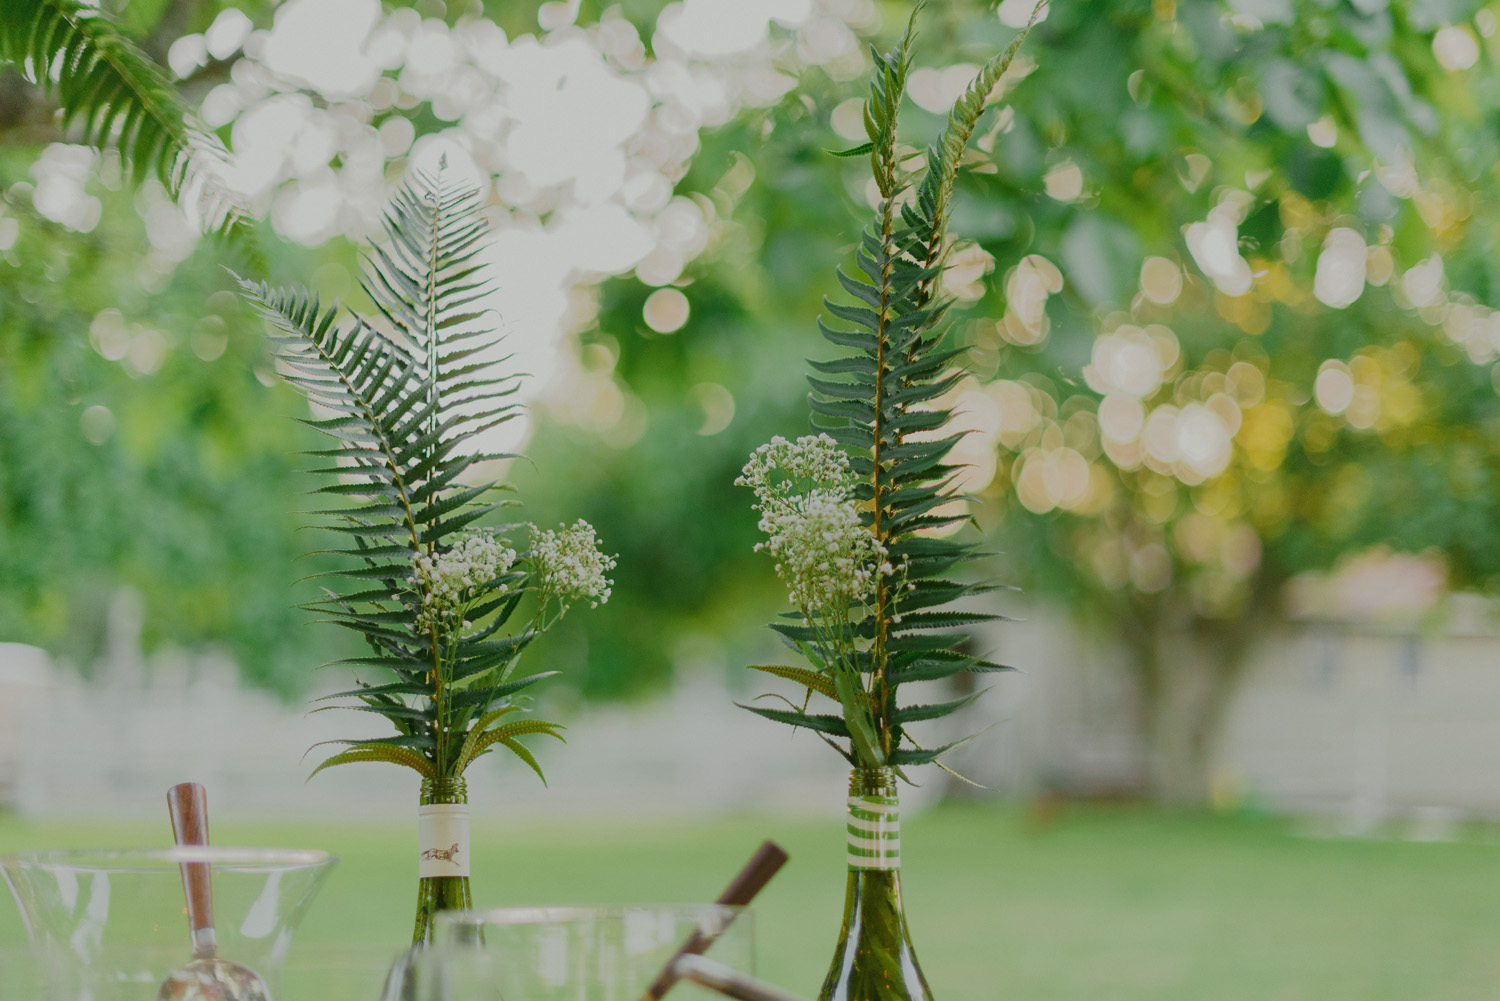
1103 903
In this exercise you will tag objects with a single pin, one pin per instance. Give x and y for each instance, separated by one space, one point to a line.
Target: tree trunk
1197 679
1187 676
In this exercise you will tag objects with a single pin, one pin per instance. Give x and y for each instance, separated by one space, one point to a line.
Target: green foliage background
1127 91
190 500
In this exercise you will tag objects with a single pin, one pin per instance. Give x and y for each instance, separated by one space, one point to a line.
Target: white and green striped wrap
874 832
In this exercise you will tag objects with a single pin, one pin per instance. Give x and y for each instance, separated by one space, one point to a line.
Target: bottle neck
443 829
450 790
874 821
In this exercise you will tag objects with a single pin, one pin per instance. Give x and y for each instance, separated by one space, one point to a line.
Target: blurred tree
1224 306
144 444
1238 335
109 89
1254 207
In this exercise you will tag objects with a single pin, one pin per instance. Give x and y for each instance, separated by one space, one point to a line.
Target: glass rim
166 860
567 914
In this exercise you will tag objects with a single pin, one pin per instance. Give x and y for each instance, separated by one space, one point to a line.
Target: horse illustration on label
441 854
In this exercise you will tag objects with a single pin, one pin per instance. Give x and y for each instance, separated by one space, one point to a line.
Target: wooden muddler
727 981
189 806
768 858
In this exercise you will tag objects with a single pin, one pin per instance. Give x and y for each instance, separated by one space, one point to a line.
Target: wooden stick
767 860
728 981
188 803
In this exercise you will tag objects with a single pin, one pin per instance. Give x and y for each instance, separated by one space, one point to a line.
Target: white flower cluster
826 558
810 462
449 580
568 563
803 490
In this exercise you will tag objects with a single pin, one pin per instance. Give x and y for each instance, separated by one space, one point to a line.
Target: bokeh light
666 310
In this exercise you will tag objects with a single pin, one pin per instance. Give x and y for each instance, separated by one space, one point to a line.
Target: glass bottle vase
874 960
443 852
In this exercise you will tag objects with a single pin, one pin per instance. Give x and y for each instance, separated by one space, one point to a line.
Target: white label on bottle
443 840
874 839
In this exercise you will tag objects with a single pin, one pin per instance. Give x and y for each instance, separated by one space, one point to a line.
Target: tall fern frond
425 282
929 216
114 92
881 403
404 396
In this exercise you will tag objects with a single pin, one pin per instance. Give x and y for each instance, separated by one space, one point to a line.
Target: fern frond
936 710
936 665
380 752
115 94
882 401
812 680
523 752
822 723
935 195
405 396
507 735
468 749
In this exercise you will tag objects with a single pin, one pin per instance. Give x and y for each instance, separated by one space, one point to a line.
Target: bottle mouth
579 914
709 915
227 859
872 781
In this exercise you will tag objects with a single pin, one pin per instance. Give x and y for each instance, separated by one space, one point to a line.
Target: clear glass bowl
111 925
573 953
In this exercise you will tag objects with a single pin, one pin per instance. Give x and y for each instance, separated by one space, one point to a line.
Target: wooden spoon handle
188 804
750 880
753 878
728 981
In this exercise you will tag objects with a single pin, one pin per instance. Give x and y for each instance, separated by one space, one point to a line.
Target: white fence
1349 719
67 747
1329 719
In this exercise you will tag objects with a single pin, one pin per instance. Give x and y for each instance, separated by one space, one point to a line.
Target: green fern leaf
814 680
407 394
380 752
507 735
109 87
935 710
521 751
834 725
887 410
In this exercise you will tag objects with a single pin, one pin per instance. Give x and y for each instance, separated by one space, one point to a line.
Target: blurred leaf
1101 258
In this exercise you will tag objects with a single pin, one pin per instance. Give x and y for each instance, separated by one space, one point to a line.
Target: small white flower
810 462
804 491
569 564
824 555
448 580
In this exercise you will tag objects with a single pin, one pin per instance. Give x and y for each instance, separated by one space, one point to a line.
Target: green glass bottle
874 960
443 846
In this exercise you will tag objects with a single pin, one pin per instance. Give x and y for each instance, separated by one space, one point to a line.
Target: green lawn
1103 903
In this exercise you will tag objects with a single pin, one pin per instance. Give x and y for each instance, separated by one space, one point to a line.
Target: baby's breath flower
824 556
568 563
781 470
449 580
803 490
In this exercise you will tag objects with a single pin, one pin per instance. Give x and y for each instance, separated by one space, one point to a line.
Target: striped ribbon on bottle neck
874 832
